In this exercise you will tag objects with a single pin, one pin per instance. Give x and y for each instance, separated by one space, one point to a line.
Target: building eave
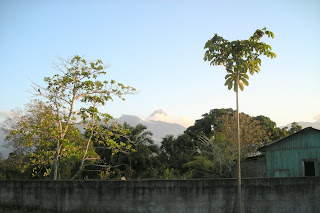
263 148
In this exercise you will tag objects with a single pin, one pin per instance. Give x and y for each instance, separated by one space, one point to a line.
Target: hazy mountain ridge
132 120
159 128
156 114
3 150
315 125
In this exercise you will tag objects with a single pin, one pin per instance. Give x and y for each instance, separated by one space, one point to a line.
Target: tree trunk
239 147
83 157
55 162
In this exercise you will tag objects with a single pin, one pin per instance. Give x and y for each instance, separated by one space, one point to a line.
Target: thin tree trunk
239 147
83 158
63 132
87 146
55 162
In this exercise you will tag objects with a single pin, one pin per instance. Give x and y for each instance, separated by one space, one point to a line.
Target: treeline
53 140
206 149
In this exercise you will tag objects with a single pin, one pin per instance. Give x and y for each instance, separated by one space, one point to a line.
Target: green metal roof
276 142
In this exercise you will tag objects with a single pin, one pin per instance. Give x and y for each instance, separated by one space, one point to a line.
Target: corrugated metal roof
281 139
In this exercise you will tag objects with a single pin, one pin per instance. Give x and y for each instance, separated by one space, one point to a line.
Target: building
252 167
293 156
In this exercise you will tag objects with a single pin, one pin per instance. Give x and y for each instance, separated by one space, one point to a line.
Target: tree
109 141
253 135
175 152
274 133
217 153
208 123
32 134
141 159
295 127
139 163
78 83
239 57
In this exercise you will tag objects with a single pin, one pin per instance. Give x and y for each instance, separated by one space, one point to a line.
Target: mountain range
154 124
159 123
315 125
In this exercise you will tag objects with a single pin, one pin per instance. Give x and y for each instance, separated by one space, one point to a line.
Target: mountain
132 120
153 123
315 125
4 152
156 115
159 123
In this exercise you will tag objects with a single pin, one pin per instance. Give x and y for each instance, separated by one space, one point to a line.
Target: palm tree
144 147
239 57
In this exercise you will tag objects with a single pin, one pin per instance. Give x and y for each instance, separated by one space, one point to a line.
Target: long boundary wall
205 195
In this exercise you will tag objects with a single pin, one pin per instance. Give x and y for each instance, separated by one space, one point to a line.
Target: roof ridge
302 130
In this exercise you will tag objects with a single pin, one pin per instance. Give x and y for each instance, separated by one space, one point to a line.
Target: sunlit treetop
239 56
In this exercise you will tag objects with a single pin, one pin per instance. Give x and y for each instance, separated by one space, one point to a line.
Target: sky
157 46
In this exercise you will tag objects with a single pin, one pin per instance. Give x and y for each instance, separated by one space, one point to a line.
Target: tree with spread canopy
218 151
295 127
142 161
239 57
77 83
32 134
175 152
273 131
209 123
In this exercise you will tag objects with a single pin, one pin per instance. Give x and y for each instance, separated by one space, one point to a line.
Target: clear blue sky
156 46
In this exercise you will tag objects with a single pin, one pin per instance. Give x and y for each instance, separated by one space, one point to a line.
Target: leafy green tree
175 152
209 123
11 168
78 83
31 134
253 135
169 174
140 161
143 160
274 133
107 138
218 153
109 141
295 127
238 57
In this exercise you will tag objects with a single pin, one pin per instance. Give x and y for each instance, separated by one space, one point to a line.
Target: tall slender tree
239 57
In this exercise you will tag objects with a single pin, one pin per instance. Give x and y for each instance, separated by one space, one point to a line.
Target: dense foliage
50 140
206 149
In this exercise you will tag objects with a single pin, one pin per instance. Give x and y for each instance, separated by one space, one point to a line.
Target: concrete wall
300 194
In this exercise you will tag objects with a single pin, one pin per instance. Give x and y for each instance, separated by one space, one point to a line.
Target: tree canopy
206 149
77 83
239 56
50 141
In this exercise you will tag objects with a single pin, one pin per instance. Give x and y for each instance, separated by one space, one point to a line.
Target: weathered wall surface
300 194
285 157
252 167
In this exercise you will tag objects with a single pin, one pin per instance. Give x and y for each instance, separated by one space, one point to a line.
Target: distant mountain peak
155 123
158 112
132 120
315 125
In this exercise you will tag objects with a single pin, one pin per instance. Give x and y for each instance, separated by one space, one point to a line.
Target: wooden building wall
287 157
